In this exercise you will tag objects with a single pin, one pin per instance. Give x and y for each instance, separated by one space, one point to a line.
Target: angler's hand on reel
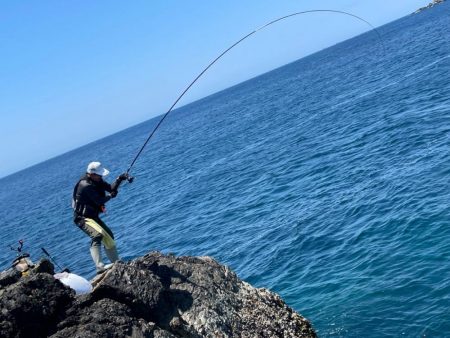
115 186
126 177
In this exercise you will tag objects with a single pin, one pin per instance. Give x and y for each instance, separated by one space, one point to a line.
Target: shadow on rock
146 290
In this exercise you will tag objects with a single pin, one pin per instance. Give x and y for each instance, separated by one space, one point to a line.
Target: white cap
97 168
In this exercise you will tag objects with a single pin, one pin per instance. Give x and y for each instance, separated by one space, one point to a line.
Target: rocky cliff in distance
153 296
431 4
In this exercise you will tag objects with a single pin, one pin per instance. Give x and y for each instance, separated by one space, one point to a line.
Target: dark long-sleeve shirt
90 196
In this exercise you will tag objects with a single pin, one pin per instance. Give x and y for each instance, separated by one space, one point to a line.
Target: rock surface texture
153 296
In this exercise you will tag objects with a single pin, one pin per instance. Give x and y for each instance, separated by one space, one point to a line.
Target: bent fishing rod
230 48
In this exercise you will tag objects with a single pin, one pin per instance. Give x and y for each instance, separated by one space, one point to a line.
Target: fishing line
231 47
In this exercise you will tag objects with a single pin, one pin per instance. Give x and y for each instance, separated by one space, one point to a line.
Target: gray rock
157 295
209 300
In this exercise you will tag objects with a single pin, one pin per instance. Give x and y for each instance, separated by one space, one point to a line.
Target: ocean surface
326 181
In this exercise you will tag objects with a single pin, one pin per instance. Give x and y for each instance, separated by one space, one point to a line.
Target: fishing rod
231 47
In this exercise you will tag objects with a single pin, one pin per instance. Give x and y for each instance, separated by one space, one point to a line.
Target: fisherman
89 199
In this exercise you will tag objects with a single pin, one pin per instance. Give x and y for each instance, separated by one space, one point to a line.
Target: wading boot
97 258
112 255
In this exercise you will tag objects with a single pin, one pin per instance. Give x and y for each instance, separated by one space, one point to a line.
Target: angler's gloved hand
123 177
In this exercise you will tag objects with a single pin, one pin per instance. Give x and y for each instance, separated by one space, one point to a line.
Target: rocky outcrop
32 305
431 4
153 296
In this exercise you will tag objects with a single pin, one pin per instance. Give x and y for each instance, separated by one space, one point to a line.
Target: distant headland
431 4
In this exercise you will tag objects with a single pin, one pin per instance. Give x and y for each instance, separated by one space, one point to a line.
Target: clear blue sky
75 71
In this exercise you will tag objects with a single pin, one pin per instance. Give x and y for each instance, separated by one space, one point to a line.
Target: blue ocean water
325 180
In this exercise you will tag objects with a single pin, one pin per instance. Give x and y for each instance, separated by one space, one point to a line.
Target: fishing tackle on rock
22 262
53 260
227 50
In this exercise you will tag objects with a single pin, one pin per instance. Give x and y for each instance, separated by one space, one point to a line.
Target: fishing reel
126 177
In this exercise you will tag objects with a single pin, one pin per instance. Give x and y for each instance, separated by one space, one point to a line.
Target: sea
326 180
